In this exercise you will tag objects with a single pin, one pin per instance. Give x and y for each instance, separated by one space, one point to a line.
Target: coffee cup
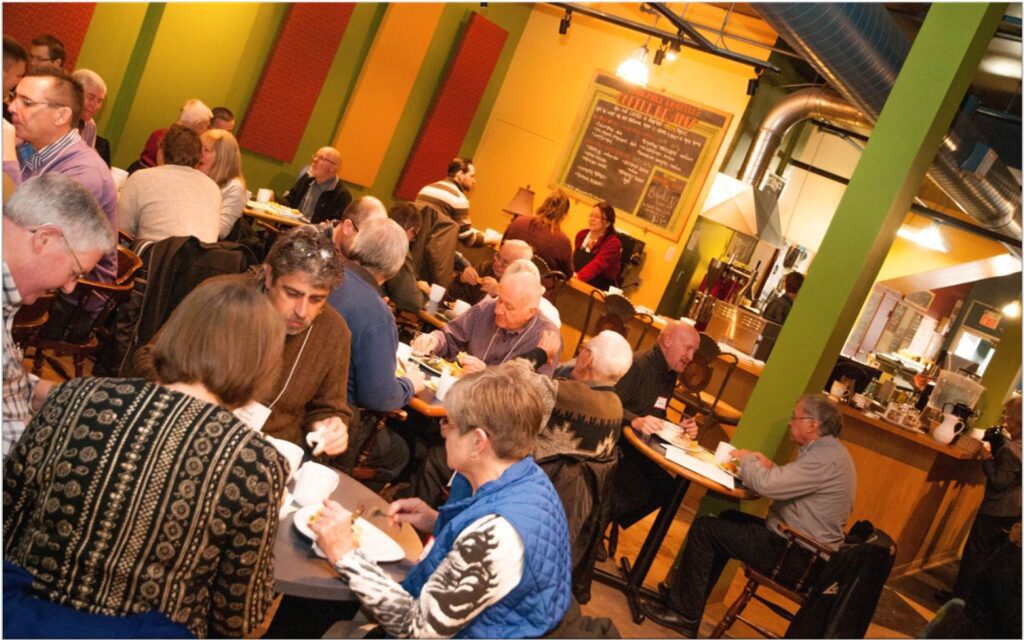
292 452
859 400
839 391
314 483
264 196
723 452
461 307
444 384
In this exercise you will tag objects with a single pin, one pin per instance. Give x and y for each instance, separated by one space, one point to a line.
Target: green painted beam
1002 373
910 128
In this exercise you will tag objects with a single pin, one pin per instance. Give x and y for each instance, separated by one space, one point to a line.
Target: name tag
253 414
661 403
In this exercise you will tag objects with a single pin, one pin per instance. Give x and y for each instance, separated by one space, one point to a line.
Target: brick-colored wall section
455 105
68 22
293 78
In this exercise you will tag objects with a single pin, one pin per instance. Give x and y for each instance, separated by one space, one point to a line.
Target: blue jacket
371 372
523 495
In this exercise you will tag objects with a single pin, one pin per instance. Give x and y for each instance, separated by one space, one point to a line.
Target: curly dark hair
310 250
181 146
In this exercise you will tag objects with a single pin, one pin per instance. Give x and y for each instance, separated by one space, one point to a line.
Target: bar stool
693 382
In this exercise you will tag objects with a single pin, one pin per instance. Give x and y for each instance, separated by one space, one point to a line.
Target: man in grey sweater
813 494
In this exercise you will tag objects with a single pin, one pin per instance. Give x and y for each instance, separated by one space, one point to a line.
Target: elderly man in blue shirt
813 494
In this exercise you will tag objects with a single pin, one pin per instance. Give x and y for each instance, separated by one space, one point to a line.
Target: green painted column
910 128
1001 373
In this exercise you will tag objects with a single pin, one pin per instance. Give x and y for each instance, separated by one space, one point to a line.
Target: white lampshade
634 68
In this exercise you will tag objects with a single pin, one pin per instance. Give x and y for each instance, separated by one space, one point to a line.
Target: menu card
708 469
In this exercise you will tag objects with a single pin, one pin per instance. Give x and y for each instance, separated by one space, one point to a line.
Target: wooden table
300 572
266 216
631 578
433 319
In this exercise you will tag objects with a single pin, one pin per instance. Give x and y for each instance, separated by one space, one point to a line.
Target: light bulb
634 68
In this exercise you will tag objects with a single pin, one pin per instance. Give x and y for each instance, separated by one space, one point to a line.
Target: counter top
908 434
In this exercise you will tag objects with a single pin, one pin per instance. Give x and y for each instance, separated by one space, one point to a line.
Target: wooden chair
30 319
553 282
80 315
796 591
693 382
360 470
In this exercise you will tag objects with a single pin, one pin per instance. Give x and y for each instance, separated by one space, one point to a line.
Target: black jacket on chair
330 205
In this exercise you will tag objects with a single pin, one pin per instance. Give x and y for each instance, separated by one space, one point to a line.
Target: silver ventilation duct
821 104
859 49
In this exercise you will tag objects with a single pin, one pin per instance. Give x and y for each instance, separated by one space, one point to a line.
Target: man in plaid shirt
54 231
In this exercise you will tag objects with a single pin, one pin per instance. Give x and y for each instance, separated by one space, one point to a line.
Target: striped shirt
18 385
446 197
34 162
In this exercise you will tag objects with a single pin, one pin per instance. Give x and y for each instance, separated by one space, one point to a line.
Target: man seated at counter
495 330
499 566
813 494
646 390
474 283
318 193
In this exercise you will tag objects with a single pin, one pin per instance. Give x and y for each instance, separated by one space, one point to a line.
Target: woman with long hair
543 232
222 161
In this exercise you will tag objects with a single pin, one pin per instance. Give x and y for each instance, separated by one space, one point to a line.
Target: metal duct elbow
859 49
819 103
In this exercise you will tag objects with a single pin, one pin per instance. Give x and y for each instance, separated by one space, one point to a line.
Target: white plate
374 542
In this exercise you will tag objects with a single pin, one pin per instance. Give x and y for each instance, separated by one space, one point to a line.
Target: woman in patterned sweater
128 503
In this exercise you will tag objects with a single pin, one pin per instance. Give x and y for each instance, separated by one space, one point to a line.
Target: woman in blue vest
500 563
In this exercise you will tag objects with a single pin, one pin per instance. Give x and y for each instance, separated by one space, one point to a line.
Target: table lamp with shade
521 204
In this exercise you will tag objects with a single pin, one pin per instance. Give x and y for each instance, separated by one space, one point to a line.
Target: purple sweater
81 162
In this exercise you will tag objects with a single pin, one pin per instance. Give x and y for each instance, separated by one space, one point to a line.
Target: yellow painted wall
907 258
533 116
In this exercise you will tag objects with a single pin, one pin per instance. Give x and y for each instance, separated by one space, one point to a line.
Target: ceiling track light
659 55
565 23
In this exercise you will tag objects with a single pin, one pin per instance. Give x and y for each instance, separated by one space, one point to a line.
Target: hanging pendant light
634 69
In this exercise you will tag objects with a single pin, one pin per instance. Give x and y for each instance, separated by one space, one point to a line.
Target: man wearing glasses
53 233
318 193
813 494
47 51
45 111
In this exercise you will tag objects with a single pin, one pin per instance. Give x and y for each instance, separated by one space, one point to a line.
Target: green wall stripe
117 115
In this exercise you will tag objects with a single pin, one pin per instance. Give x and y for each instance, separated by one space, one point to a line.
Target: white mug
436 292
314 483
444 384
292 452
461 307
839 390
264 195
723 451
859 400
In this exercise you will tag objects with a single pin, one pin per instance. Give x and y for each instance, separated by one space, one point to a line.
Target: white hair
610 356
523 273
521 246
89 78
54 198
193 112
380 247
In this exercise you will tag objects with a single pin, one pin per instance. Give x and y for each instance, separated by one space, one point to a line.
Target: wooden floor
906 604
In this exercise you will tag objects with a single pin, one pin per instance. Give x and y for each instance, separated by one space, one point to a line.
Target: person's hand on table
425 343
489 285
470 276
332 434
411 510
333 529
416 377
647 425
760 457
471 364
689 427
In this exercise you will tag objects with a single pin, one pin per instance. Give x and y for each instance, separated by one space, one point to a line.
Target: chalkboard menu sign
644 152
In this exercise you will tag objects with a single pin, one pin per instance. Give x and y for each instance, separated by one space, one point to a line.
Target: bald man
645 391
318 193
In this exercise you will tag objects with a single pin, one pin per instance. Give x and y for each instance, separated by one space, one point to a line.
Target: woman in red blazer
598 255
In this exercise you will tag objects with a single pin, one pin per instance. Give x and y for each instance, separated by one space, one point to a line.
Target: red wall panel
293 78
68 22
454 106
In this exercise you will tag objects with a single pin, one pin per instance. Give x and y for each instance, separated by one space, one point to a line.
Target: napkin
707 469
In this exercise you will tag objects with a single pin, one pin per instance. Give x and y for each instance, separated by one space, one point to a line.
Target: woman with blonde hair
222 161
542 232
147 509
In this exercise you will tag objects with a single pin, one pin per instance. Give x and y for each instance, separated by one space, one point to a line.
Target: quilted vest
523 495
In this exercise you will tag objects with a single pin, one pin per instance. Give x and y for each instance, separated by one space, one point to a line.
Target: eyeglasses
79 269
325 159
796 417
447 425
41 59
29 103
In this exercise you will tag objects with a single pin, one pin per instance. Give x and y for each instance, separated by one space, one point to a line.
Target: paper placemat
709 470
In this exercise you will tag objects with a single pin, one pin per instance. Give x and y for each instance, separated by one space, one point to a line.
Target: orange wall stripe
383 88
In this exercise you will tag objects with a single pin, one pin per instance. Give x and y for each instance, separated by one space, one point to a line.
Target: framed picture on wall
647 153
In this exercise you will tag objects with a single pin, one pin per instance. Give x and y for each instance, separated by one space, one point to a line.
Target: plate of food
437 365
674 435
375 543
731 468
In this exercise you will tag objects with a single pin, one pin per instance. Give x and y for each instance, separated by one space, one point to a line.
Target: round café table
631 578
300 572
